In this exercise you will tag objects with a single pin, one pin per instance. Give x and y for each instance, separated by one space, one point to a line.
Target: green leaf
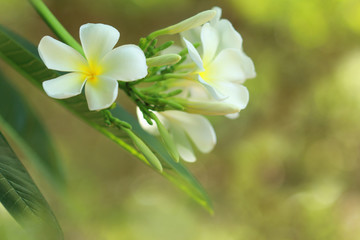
21 123
21 198
22 58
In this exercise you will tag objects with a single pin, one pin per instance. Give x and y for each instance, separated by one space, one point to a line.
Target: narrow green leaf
22 58
21 123
21 198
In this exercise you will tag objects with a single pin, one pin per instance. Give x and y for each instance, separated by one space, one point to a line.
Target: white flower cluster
211 84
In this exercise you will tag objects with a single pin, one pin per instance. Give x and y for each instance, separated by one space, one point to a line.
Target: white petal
197 127
217 17
65 86
237 94
101 93
229 65
201 133
172 49
248 66
59 56
192 90
232 115
192 35
210 42
183 145
152 129
230 38
125 63
97 40
194 55
212 89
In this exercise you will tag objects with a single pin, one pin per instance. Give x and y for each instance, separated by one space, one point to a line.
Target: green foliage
18 120
22 198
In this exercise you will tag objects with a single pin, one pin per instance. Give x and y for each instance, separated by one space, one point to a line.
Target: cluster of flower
208 82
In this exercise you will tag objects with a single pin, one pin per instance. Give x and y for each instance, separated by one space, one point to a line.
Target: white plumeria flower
184 128
223 66
99 70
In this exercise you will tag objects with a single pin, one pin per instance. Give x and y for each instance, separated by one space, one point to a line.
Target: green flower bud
166 138
167 59
208 107
149 155
192 22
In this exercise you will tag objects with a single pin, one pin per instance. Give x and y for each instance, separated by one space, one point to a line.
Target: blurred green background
288 168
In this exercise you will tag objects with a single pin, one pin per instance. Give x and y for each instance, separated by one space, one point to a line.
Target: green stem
55 25
109 119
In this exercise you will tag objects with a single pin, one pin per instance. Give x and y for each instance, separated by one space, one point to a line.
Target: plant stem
109 119
55 25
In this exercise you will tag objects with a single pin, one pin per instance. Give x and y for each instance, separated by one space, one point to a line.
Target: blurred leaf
21 57
21 123
21 197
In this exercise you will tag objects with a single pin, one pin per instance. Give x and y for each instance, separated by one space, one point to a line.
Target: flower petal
229 37
212 89
97 40
230 65
193 90
248 66
59 56
194 55
201 133
172 49
182 144
101 93
232 115
197 127
125 63
210 42
237 94
217 17
192 35
65 86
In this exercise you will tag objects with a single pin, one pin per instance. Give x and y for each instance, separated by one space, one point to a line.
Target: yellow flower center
205 76
91 73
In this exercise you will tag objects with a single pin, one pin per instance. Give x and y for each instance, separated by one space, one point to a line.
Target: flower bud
192 22
167 59
149 155
166 138
208 107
